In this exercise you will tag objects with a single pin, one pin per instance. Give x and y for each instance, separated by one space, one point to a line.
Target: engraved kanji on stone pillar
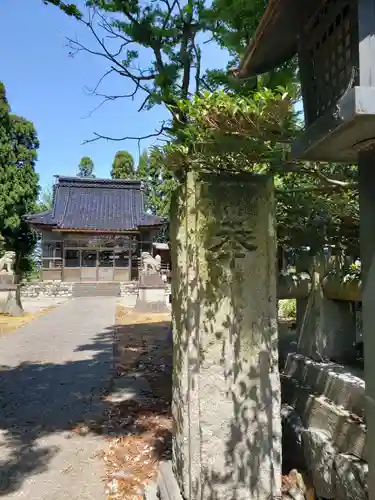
226 394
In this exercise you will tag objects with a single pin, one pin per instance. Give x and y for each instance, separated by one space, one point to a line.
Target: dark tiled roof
97 205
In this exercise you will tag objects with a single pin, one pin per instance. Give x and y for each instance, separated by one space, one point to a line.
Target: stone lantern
334 41
335 44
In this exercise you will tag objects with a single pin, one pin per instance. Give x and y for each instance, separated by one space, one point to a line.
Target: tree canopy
173 34
216 120
86 167
18 183
123 166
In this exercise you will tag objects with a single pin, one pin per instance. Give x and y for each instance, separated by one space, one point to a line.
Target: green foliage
123 166
86 167
224 132
288 308
45 199
18 183
142 165
318 205
174 35
68 8
159 182
348 273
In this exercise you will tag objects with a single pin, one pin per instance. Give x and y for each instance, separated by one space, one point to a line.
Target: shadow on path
38 400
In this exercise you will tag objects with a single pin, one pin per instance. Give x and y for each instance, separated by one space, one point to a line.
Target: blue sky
47 86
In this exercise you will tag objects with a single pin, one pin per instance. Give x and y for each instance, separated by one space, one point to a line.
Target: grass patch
288 308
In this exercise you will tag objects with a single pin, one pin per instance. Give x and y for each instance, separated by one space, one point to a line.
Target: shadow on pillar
226 391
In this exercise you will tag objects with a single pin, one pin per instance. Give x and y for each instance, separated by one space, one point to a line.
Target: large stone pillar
326 328
367 240
226 389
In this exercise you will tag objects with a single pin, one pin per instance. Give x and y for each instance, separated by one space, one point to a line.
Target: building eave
96 231
274 42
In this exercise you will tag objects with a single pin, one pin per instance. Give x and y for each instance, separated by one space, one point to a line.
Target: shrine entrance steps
96 289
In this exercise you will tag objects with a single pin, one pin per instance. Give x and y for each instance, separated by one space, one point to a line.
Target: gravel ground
33 306
53 371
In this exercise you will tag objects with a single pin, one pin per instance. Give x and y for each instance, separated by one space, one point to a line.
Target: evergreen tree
86 167
45 199
18 183
123 166
159 182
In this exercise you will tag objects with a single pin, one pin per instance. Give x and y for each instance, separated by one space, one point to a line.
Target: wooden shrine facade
96 230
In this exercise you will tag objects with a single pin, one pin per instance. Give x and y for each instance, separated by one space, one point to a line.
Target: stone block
47 289
167 485
150 492
342 385
350 478
226 387
6 278
326 328
348 434
152 280
320 454
151 300
292 446
10 302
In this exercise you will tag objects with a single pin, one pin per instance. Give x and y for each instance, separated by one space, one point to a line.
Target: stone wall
324 427
63 289
129 289
47 289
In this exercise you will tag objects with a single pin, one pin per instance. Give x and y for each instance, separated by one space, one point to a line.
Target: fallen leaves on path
132 459
141 428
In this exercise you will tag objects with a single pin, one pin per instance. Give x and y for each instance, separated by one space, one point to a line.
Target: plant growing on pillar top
348 273
233 134
316 204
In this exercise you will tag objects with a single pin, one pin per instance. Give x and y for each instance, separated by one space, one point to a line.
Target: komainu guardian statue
149 263
7 263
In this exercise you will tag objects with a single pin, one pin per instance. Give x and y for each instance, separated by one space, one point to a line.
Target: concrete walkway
52 375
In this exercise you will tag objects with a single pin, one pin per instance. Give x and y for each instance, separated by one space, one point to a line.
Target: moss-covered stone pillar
226 389
326 328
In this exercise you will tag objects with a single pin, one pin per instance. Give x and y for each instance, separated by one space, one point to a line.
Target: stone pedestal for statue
151 280
151 293
10 299
226 388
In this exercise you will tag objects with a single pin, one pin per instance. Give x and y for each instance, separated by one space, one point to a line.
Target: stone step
335 475
344 386
347 431
97 289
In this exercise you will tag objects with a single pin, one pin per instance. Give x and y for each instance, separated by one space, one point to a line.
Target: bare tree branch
317 189
141 107
327 180
163 129
315 170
